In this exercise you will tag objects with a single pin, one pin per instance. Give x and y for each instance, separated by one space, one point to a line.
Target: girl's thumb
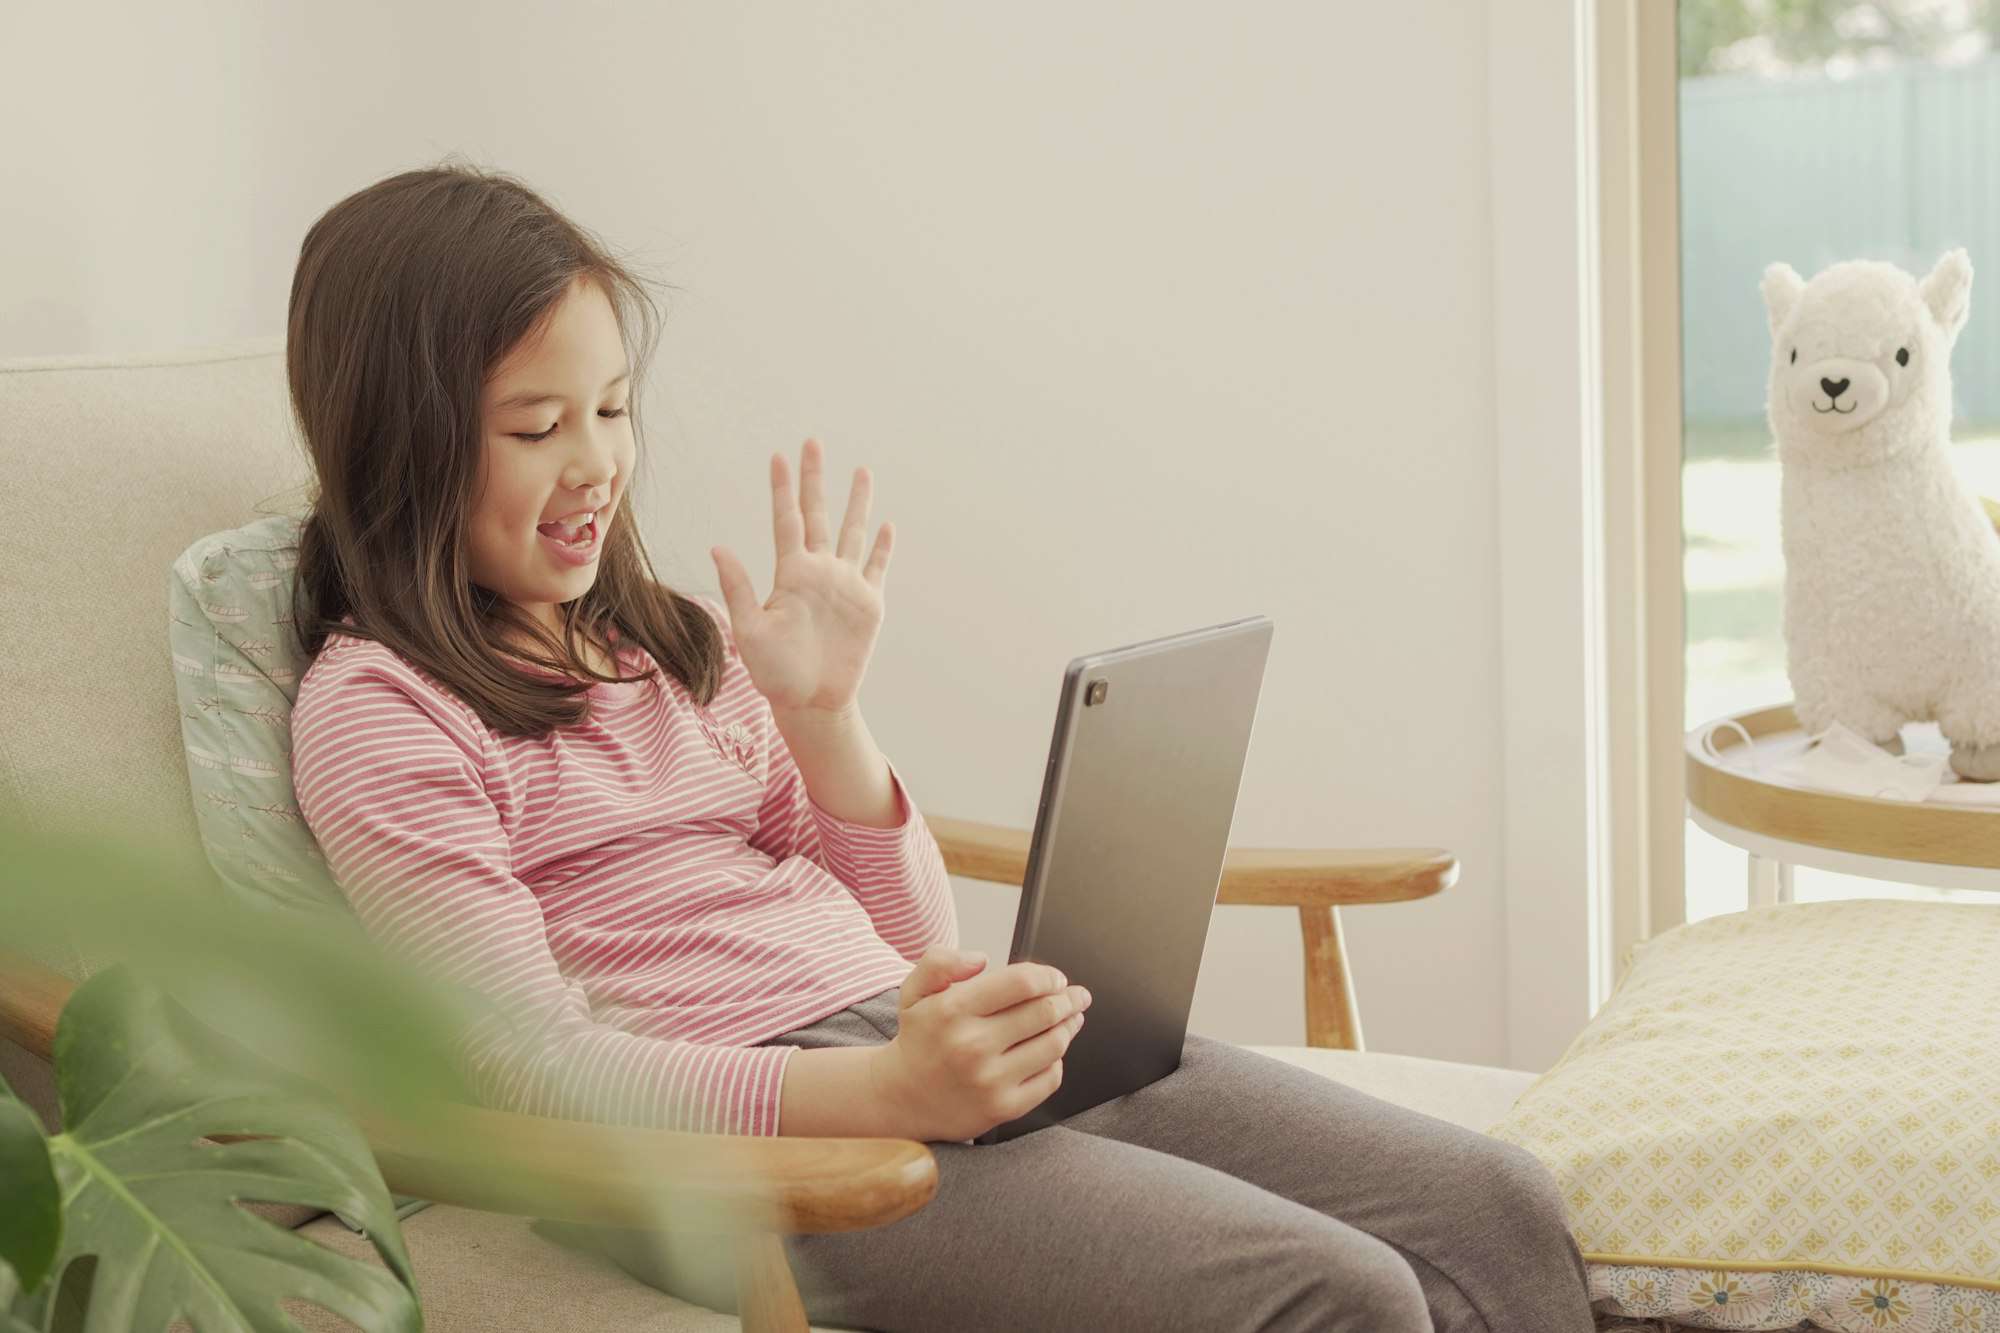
936 970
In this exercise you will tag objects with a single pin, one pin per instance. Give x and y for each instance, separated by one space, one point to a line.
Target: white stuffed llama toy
1892 567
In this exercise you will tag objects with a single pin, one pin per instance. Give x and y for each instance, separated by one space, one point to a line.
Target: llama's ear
1781 293
1948 292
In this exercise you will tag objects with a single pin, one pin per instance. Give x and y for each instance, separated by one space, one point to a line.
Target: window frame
1638 217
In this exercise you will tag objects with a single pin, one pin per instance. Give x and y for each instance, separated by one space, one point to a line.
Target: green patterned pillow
236 670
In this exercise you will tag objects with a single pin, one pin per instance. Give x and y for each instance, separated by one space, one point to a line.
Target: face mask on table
1843 760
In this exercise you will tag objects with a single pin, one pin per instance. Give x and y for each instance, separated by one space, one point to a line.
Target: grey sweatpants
1238 1192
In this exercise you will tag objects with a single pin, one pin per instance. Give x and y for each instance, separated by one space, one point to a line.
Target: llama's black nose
1834 388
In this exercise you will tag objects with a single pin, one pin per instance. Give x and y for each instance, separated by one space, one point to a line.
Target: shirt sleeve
897 874
388 774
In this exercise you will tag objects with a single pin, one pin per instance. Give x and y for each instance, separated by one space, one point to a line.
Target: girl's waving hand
807 646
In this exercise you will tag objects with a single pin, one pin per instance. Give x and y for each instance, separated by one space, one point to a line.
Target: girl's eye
532 439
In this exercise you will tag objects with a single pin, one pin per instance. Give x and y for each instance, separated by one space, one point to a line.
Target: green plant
131 1182
206 1015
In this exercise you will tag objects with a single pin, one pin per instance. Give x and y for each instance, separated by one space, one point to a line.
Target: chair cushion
1786 1114
156 452
236 670
485 1272
1474 1096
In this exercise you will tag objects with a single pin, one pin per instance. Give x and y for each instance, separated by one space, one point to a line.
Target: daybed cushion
1789 1113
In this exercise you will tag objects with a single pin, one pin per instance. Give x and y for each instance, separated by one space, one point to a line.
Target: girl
655 830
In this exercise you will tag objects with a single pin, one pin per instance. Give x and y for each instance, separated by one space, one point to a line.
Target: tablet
1137 802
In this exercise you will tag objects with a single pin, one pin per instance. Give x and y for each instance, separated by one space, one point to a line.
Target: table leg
1784 881
1767 879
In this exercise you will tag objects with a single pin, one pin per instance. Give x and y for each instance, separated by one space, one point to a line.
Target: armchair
157 452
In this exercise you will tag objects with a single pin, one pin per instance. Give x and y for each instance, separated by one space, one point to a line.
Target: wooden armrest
618 1175
1266 876
579 1171
31 999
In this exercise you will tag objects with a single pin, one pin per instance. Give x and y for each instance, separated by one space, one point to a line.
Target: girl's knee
1535 1278
1524 1188
1349 1283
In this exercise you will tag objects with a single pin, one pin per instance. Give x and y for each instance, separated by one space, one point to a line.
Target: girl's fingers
737 593
1036 1054
812 503
854 527
787 529
1042 1014
878 559
937 970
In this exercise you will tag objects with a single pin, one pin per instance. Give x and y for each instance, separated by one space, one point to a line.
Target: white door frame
1581 100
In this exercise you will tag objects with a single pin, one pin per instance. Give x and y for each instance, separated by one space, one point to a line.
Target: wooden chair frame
764 1187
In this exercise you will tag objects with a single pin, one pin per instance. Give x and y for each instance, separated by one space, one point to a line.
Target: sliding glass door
1812 131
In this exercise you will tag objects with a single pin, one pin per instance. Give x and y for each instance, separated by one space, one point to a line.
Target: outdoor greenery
1724 36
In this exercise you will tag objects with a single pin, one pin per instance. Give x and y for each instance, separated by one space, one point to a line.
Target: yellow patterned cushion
1789 1114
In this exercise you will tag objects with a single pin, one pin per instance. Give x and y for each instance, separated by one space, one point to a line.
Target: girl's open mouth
581 550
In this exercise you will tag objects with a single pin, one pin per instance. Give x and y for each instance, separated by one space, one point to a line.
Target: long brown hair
406 296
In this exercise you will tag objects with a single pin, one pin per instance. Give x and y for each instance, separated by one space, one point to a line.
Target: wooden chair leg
1332 1018
767 1297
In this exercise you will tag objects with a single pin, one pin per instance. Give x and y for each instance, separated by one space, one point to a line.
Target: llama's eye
1795 356
1902 356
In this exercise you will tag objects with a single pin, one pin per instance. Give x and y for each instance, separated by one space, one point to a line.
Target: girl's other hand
974 1048
807 646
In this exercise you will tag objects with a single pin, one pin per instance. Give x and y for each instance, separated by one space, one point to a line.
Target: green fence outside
1900 164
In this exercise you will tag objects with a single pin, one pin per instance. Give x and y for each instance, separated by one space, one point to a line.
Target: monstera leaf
11 1322
141 1083
31 1223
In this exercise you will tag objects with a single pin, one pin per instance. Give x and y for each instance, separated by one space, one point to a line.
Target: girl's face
568 385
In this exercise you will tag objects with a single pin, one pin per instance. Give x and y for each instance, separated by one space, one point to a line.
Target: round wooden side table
1734 794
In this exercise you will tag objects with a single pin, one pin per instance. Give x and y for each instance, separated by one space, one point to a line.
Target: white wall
1143 315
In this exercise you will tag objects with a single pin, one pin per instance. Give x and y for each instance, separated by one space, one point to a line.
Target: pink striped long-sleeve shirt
644 893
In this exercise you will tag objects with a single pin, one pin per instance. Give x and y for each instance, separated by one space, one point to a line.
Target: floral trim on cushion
1677 1298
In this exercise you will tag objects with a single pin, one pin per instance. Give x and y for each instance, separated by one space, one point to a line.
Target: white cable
1708 746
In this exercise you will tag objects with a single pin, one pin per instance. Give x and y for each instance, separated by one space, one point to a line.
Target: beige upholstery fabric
1475 1096
156 454
488 1273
